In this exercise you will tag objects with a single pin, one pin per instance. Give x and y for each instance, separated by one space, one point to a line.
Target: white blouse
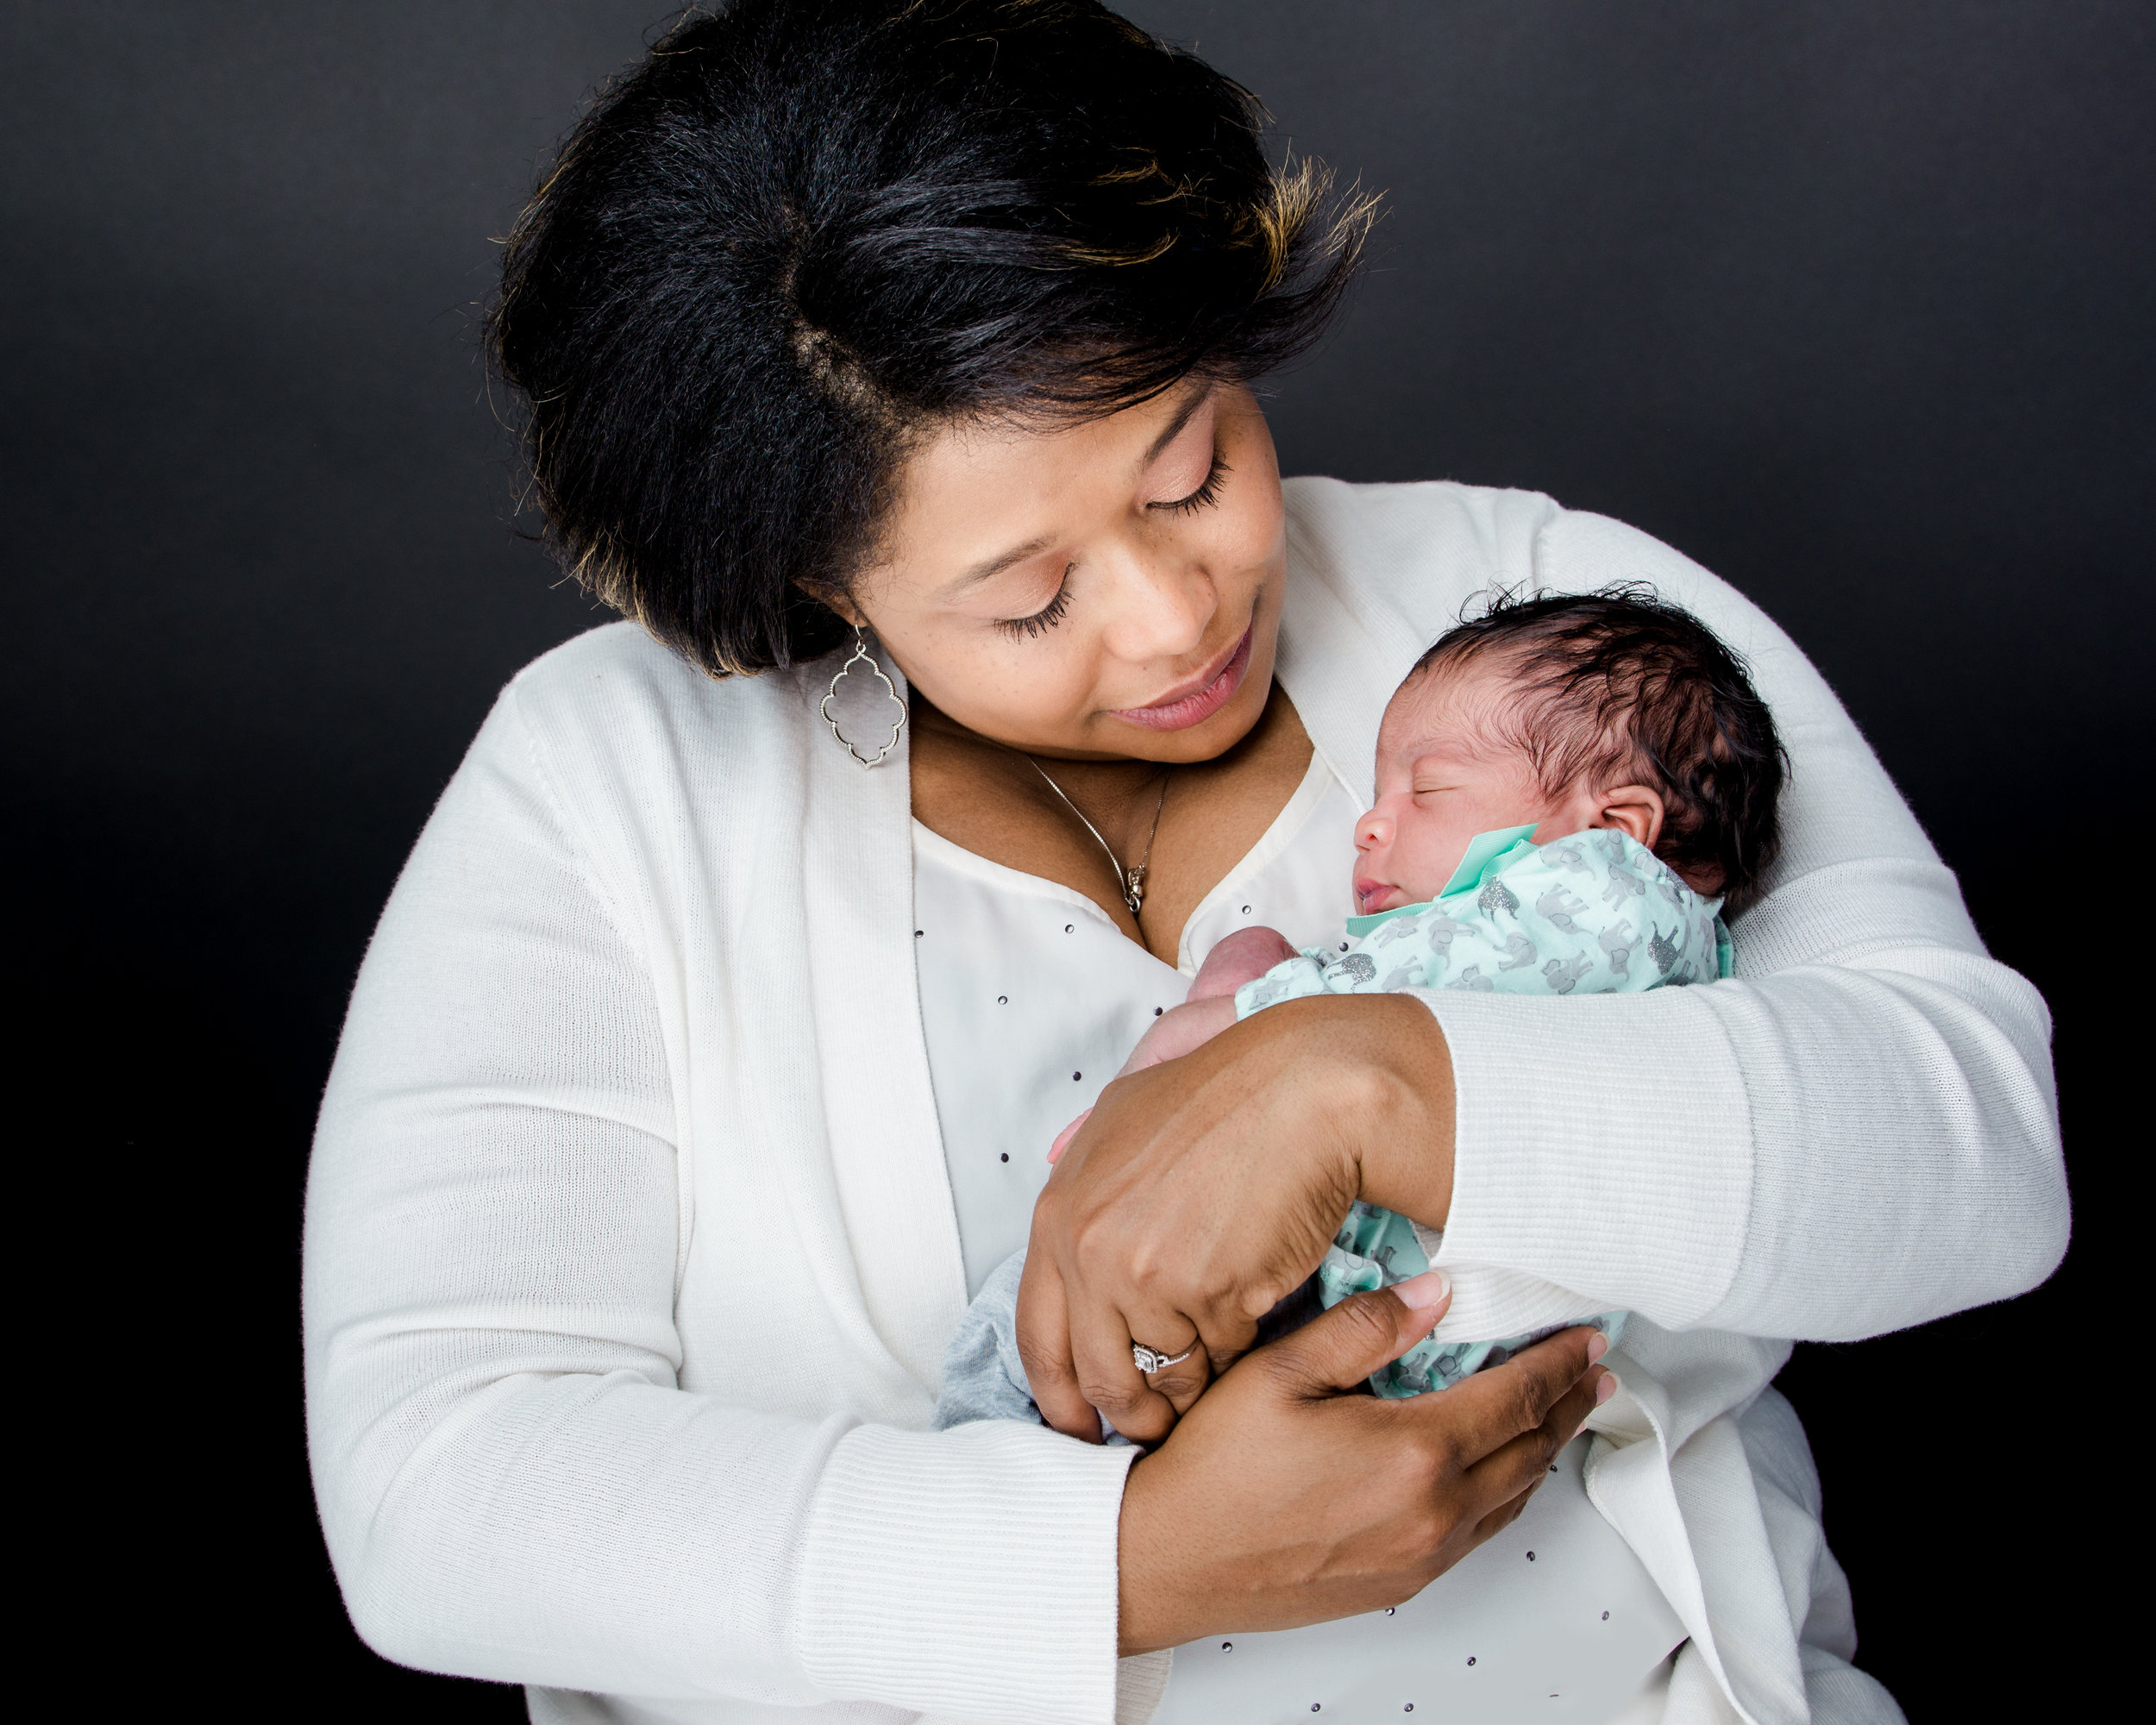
1031 998
631 1256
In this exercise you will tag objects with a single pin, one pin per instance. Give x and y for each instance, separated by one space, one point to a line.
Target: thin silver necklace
1131 882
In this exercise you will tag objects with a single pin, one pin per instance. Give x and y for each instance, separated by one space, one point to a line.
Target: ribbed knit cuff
968 1573
1603 1143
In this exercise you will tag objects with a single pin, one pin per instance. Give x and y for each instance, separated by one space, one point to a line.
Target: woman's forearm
560 1525
1833 1151
1387 1053
1830 1153
1857 1133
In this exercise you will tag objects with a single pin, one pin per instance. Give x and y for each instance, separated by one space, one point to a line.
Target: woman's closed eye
1030 628
1059 607
1204 496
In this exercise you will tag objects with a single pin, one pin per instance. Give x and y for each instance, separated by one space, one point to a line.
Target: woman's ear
847 610
1636 811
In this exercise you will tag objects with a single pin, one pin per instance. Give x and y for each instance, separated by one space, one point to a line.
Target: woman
698 1069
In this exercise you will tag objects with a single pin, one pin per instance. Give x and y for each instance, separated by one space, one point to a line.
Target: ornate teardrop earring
862 655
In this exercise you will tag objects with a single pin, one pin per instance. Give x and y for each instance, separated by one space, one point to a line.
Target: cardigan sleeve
1856 1133
514 1484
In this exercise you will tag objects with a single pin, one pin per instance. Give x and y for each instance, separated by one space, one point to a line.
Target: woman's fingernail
1606 1388
1419 1292
1597 1345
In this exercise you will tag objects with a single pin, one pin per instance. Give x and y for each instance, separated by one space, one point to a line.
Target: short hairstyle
1622 686
800 233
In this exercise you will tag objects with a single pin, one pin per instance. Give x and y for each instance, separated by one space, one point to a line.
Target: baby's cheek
1425 850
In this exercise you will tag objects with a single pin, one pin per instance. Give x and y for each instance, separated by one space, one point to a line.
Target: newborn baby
1571 790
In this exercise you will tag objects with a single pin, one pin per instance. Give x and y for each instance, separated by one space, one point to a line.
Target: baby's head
1599 709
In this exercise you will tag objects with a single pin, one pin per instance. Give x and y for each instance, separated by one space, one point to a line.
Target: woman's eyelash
1028 628
1206 494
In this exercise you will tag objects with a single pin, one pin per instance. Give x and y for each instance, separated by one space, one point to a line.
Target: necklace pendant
1134 889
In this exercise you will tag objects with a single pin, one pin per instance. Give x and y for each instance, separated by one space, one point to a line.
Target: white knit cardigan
630 1255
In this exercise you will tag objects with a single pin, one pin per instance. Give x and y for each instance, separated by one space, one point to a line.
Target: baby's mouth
1375 895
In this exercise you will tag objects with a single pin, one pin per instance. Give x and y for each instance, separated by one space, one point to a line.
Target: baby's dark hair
1618 684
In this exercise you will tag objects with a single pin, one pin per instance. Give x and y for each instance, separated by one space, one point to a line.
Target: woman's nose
1166 606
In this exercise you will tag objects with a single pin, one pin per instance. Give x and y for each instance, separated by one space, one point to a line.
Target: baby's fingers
1064 1137
1180 1029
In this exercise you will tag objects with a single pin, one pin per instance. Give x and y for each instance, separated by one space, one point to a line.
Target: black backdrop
1852 303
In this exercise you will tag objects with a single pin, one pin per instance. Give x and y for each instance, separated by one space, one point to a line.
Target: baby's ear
1636 811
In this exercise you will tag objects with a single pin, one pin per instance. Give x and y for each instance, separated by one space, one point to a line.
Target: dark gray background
1850 302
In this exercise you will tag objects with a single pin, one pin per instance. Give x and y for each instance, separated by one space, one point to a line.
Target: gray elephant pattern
1375 1248
1663 951
1560 909
1623 884
1495 900
1563 975
1516 929
1566 853
1521 928
1522 952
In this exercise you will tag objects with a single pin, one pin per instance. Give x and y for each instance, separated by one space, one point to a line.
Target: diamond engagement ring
1151 1360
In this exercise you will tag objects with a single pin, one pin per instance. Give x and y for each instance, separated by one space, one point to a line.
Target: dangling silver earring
862 657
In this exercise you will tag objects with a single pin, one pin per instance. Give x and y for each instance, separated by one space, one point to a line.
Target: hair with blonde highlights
801 233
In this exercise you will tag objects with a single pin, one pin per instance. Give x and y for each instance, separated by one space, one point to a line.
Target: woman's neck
990 798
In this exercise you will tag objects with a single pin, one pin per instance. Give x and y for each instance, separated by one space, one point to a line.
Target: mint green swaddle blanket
1594 914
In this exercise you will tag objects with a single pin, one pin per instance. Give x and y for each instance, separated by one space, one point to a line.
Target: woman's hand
1279 1501
1201 1191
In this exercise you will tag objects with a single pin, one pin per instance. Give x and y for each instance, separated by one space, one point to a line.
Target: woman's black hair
802 232
1621 684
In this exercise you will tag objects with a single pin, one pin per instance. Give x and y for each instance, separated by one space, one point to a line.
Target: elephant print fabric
1375 1248
1595 913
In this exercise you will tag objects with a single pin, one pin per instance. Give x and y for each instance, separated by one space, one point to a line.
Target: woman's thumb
1340 1348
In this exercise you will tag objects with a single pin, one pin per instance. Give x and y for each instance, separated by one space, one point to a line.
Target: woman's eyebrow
1198 397
990 567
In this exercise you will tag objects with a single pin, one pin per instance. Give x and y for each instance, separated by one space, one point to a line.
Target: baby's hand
1172 1034
1243 957
1180 1029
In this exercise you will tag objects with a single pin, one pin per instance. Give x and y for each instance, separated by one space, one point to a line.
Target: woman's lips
1197 700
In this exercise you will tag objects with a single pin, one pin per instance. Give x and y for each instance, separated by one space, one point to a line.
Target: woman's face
1109 590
